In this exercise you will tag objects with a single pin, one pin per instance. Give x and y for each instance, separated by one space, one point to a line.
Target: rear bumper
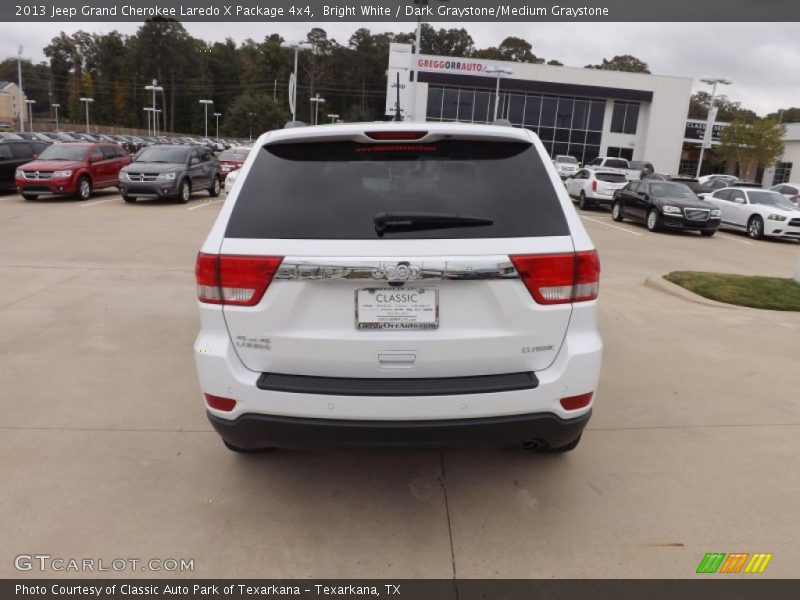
251 431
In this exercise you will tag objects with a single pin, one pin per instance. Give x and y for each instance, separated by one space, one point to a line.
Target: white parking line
205 204
733 239
97 202
610 225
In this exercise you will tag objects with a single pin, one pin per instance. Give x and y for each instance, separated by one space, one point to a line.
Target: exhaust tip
530 446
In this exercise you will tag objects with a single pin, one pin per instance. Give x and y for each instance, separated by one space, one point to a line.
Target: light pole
317 101
712 113
156 113
498 71
56 106
297 46
154 88
217 116
333 118
149 112
86 101
19 83
251 115
205 103
30 104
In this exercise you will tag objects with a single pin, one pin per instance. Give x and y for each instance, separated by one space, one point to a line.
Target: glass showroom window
783 170
624 117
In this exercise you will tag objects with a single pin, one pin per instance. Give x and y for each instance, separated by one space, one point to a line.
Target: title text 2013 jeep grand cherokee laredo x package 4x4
406 284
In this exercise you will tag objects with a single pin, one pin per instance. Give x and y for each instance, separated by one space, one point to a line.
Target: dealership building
581 112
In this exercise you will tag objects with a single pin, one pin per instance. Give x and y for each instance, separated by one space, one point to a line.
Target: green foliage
624 62
786 115
726 110
772 293
751 144
256 109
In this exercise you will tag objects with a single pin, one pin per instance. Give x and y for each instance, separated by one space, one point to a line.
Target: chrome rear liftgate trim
396 270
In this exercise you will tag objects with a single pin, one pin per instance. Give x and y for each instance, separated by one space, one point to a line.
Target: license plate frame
373 313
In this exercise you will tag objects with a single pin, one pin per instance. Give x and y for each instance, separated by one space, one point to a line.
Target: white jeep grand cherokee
398 284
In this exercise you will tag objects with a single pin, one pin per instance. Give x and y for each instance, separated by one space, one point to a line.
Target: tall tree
786 115
623 62
726 109
751 144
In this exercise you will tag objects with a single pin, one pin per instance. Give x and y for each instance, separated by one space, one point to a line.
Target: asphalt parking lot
107 453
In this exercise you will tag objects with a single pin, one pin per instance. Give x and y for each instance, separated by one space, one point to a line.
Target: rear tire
30 196
583 202
653 220
84 191
213 191
238 450
616 212
128 199
184 192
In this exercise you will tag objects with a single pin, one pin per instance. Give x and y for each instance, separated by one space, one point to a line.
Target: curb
657 282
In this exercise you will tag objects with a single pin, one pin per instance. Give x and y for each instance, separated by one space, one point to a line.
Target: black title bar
273 11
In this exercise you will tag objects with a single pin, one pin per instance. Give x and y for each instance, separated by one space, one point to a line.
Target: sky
762 59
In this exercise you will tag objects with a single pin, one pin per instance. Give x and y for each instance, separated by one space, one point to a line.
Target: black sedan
665 205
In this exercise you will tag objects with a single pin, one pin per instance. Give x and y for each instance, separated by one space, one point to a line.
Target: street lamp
86 101
217 116
154 88
296 46
317 101
251 115
712 113
156 116
206 103
19 82
30 104
150 114
498 71
56 106
333 118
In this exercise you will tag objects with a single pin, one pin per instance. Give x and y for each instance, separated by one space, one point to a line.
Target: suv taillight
560 278
234 280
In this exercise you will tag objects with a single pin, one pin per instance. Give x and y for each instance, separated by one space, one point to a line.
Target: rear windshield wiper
424 220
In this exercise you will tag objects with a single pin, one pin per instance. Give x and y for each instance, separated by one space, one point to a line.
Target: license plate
226 168
397 308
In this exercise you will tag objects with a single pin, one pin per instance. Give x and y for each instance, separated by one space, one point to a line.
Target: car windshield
567 159
348 190
668 189
617 163
770 199
63 152
233 155
163 155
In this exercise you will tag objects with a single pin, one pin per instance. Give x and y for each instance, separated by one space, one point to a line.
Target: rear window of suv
335 190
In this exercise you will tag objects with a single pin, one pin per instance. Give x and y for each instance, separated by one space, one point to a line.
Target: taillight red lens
234 280
560 278
220 403
594 185
396 135
576 402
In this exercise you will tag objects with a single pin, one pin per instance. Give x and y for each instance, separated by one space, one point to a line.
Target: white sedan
758 212
790 190
596 186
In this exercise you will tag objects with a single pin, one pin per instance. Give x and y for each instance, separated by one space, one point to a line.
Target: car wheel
616 211
213 191
583 202
129 199
30 196
239 450
653 220
84 188
184 192
708 232
755 227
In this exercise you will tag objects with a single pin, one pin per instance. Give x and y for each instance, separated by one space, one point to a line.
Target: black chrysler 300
665 205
